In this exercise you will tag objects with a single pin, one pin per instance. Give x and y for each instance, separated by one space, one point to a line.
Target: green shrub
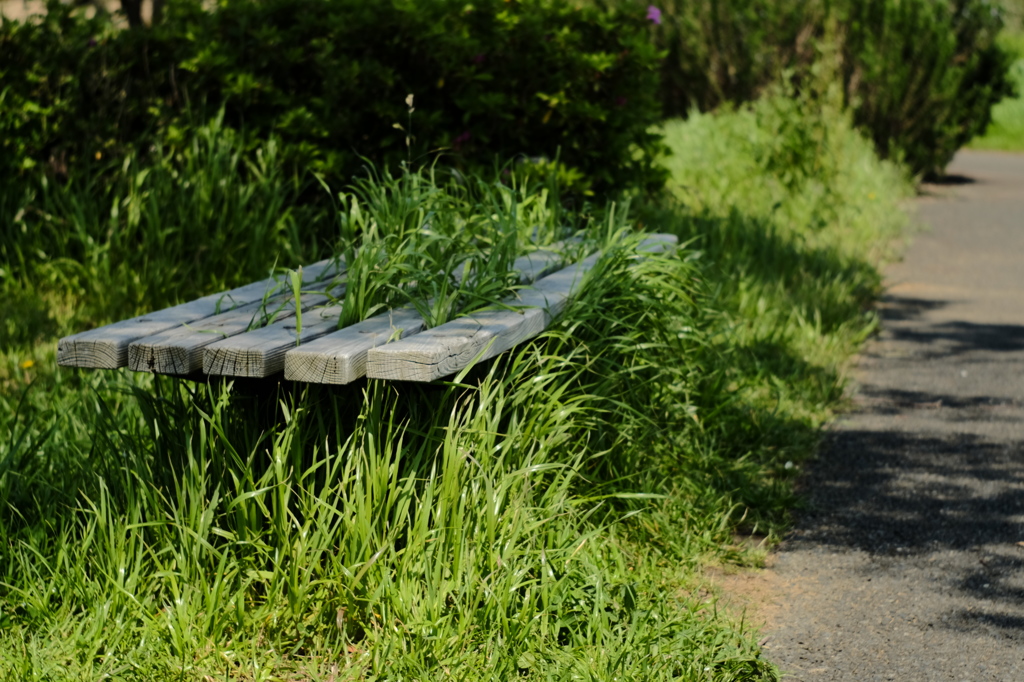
727 51
921 76
528 79
1006 131
61 98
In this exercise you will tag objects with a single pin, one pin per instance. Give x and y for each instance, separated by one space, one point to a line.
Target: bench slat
107 347
340 357
452 347
180 350
261 353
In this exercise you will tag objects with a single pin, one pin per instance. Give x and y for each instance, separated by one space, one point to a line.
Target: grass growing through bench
444 248
392 531
545 516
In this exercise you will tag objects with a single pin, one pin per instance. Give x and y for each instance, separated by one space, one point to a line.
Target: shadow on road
945 339
897 308
892 493
948 500
912 497
951 180
956 338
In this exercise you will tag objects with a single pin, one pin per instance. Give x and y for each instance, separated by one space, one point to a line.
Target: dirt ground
909 562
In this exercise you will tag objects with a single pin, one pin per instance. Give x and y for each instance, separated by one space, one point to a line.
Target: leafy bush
727 51
921 76
534 79
63 90
1007 129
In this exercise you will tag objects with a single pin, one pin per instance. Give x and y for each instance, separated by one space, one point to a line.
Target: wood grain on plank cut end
237 362
428 355
324 368
152 355
108 347
340 358
261 353
74 351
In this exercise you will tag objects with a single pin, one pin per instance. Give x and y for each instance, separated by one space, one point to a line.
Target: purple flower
621 101
654 14
479 59
92 42
463 137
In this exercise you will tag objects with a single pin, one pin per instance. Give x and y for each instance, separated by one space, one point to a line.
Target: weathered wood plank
340 357
180 350
452 347
107 347
261 353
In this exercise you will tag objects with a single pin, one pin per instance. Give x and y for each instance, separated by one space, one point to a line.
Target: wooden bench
251 331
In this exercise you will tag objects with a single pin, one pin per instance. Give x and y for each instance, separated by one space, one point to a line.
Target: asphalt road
909 563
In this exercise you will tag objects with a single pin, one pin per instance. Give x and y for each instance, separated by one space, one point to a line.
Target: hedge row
920 76
534 80
531 79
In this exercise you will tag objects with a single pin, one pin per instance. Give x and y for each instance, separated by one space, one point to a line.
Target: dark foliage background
920 76
569 90
536 80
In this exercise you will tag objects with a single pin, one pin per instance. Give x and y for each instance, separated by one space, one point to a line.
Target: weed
295 279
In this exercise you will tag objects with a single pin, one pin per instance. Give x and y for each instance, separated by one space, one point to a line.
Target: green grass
546 515
170 228
791 243
1006 132
444 248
